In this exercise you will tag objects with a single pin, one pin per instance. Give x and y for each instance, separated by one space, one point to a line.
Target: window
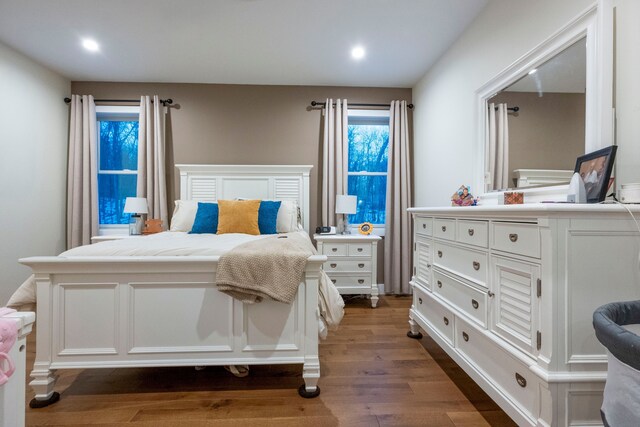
117 163
368 132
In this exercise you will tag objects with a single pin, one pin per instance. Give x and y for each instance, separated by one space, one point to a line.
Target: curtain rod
514 109
164 102
323 104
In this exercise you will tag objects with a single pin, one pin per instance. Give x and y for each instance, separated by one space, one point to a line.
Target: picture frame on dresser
595 170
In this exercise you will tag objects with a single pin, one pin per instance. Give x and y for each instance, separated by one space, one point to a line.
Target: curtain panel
335 150
82 173
397 244
151 158
498 137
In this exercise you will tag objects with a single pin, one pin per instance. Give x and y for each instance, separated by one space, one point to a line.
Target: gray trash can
621 404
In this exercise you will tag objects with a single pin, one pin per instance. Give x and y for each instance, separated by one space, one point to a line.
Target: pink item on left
8 336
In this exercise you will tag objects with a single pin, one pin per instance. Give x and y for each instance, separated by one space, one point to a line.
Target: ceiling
275 42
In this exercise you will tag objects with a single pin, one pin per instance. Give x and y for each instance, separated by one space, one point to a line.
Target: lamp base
346 228
136 225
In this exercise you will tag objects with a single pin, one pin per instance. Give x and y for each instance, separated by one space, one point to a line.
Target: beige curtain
151 158
335 149
397 241
82 173
498 137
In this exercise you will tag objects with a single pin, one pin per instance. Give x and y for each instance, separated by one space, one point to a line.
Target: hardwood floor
372 375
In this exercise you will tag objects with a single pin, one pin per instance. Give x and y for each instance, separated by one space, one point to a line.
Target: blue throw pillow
268 217
206 219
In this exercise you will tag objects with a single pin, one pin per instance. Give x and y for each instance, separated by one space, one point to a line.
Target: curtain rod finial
67 100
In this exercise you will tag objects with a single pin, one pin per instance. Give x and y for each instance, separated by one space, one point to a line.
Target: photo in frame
595 170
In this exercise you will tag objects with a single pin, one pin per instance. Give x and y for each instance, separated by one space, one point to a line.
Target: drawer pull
513 237
465 336
334 249
439 254
474 303
491 294
333 281
428 265
471 231
476 265
360 265
446 321
439 284
444 228
361 281
359 249
522 382
424 225
419 300
333 265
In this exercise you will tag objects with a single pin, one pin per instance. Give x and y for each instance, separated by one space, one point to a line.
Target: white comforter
172 243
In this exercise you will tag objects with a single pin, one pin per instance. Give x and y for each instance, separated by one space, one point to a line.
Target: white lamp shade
136 205
346 204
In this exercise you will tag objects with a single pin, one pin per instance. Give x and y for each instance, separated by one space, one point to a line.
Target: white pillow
183 215
288 217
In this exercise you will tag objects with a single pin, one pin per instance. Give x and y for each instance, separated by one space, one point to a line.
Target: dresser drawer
468 299
517 238
332 265
470 263
444 228
508 374
438 317
335 249
473 232
352 281
359 249
423 226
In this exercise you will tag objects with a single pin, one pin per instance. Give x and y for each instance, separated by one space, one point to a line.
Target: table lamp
136 206
346 205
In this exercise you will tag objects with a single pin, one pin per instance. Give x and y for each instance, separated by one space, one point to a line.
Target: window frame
113 112
368 117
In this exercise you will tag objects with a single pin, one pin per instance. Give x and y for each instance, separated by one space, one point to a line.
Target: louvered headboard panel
278 182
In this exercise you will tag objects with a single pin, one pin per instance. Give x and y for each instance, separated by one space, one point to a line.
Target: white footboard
163 311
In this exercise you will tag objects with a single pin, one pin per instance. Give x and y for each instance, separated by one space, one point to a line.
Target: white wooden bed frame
110 312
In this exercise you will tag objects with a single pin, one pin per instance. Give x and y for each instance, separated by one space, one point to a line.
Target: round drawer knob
476 265
334 249
419 300
444 228
471 231
424 225
439 254
333 265
474 304
522 381
465 336
513 237
359 249
491 294
439 284
361 265
333 281
446 321
361 281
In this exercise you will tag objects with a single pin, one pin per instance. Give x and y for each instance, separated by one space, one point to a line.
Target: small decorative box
513 198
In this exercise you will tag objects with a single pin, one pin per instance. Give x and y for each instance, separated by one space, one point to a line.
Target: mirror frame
596 24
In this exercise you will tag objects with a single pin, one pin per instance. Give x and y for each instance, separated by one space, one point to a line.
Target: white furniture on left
111 312
12 393
352 263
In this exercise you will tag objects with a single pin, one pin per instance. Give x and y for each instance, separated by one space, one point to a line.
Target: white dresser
352 263
509 292
12 393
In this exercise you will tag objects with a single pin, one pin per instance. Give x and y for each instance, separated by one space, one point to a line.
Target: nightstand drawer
522 239
335 249
466 298
347 266
352 281
444 228
359 249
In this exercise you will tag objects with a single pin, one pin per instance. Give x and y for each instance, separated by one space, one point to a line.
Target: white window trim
378 229
113 112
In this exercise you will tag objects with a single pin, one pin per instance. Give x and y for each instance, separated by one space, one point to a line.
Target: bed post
311 367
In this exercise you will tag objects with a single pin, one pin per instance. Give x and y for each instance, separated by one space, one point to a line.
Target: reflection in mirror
536 125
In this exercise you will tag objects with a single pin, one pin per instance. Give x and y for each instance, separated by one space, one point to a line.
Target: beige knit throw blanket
271 267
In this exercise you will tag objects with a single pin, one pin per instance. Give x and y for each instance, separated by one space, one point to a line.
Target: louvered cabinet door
515 302
422 262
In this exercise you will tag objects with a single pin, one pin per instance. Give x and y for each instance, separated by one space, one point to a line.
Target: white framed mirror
547 108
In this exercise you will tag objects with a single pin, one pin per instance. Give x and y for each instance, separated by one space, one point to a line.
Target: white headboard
278 182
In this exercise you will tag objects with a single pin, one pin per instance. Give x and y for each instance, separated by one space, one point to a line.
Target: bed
150 311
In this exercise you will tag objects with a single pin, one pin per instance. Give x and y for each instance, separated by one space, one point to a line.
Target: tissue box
513 198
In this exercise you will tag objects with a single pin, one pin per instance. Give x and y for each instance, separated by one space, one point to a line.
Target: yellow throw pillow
238 216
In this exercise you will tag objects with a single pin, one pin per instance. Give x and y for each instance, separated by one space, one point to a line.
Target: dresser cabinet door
422 262
516 315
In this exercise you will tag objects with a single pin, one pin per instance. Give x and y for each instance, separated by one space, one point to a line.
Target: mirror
544 131
563 91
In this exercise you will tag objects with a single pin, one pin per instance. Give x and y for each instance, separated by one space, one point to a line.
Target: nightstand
352 262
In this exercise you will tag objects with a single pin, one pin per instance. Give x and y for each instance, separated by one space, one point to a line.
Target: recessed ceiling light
357 52
91 45
533 71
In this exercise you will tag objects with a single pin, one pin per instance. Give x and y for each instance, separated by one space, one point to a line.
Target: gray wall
245 124
33 140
